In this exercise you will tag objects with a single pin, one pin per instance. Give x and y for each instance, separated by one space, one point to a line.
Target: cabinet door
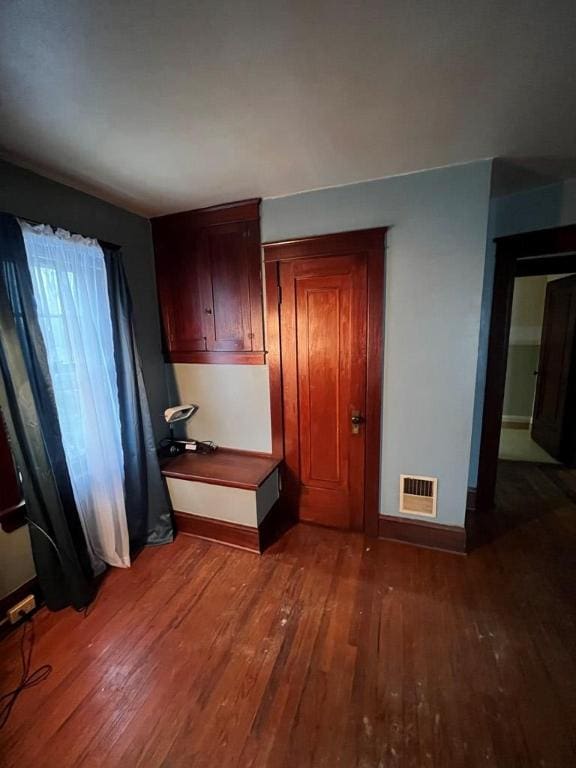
183 277
230 327
551 417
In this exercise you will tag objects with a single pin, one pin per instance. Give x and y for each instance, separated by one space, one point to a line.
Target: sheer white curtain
70 288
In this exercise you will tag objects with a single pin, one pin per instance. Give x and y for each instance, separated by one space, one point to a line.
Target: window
71 292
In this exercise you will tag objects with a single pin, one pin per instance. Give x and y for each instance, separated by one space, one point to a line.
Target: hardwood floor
329 650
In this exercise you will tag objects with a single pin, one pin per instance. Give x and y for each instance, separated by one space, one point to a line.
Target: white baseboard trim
517 422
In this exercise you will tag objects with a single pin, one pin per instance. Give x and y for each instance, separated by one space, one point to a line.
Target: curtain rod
104 243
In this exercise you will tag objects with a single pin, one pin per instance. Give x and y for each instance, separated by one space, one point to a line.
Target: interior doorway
325 299
535 420
529 425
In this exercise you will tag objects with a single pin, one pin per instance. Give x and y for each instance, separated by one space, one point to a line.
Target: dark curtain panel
147 506
29 413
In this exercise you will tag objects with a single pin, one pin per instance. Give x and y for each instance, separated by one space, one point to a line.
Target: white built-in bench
227 496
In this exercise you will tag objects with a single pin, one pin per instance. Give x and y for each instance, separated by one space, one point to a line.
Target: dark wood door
208 265
550 425
183 286
228 321
323 348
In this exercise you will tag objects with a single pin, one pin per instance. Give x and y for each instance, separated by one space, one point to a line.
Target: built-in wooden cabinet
208 269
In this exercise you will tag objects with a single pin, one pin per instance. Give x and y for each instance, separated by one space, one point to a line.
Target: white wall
435 262
16 564
234 403
524 347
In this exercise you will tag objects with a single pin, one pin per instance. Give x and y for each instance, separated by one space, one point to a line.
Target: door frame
539 252
371 242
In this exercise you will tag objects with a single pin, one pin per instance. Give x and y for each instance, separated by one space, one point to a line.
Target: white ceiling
164 105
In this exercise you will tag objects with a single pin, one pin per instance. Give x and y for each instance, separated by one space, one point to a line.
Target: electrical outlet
24 606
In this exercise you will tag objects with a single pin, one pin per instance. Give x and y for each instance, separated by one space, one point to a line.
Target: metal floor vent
418 495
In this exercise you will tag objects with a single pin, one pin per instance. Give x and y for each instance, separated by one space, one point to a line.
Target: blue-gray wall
434 275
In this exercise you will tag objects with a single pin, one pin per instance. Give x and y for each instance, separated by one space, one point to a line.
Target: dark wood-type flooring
329 650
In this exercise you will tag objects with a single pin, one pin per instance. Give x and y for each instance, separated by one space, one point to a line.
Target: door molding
540 252
372 242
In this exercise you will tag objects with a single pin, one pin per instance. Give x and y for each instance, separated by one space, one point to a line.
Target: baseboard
471 501
421 533
516 422
8 601
274 525
232 534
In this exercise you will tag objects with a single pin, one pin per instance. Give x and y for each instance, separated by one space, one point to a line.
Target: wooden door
208 266
323 347
183 287
230 261
550 425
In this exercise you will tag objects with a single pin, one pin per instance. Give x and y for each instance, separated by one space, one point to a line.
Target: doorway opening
325 318
528 449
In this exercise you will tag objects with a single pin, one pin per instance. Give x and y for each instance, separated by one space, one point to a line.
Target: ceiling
165 105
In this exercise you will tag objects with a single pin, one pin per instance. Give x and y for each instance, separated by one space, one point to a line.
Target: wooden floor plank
329 650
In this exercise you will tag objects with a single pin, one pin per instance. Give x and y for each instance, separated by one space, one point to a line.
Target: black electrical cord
27 679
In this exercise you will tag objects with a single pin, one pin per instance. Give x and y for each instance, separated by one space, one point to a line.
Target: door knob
356 418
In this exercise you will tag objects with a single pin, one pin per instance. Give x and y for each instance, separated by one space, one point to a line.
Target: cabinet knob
208 311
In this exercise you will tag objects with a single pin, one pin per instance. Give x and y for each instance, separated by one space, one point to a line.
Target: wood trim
549 265
514 254
372 241
275 524
227 213
237 358
374 385
471 500
447 538
540 242
232 534
324 245
30 586
272 288
232 469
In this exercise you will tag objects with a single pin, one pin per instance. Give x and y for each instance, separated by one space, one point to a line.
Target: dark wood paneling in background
330 650
447 538
372 242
